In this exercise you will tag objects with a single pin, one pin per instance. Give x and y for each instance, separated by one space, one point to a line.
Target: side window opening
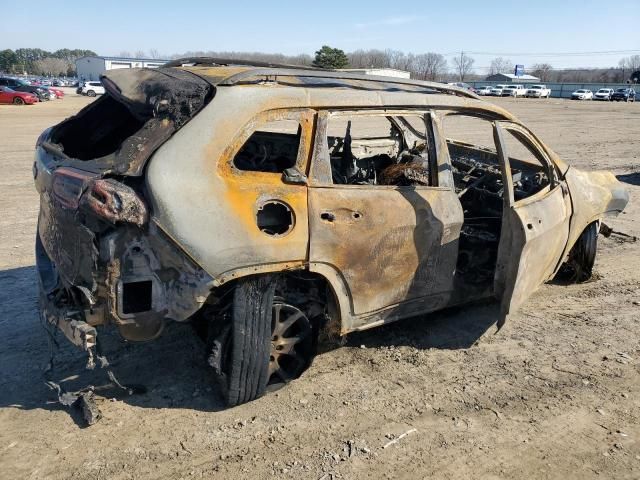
529 171
272 147
378 150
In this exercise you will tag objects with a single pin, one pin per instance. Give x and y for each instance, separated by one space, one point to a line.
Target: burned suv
276 204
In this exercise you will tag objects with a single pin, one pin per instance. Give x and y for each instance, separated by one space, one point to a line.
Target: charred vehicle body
277 204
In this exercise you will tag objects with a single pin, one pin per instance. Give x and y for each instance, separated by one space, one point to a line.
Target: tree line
36 61
423 66
433 66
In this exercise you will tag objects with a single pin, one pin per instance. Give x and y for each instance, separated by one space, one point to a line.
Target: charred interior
99 130
480 187
384 158
478 183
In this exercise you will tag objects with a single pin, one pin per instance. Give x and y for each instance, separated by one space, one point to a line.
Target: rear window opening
140 111
98 131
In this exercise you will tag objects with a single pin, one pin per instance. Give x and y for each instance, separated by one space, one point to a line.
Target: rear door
391 244
535 218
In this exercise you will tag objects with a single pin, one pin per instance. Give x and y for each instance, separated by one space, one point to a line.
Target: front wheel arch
578 267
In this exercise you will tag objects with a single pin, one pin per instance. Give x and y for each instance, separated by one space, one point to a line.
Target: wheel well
309 291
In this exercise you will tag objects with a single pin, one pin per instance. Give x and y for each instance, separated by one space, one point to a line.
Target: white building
90 68
511 78
382 72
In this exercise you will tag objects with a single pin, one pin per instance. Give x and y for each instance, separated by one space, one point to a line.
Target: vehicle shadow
630 178
171 371
454 328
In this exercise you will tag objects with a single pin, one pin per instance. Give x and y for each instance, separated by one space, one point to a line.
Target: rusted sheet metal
404 251
594 196
221 233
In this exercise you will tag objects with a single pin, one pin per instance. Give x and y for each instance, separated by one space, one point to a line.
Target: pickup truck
514 91
497 90
538 91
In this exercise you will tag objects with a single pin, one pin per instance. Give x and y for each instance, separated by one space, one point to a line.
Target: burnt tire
582 257
18 101
246 368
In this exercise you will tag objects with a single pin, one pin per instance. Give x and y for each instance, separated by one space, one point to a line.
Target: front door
536 216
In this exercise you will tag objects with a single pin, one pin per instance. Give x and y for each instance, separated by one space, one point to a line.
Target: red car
59 93
8 95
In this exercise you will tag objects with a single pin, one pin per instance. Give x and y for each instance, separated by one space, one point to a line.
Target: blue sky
511 27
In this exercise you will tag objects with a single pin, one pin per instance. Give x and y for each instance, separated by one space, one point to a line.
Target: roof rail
214 61
266 69
333 74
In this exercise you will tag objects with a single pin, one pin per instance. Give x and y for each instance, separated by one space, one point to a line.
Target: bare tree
139 54
630 63
463 65
398 60
501 65
51 66
628 66
429 66
154 53
368 59
542 71
125 54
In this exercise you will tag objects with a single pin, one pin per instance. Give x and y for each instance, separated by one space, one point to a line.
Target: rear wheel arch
262 330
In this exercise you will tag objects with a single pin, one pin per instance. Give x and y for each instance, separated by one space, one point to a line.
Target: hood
596 194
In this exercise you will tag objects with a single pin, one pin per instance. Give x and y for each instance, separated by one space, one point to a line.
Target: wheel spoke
287 363
284 325
284 345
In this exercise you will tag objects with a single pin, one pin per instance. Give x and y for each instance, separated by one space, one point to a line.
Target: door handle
327 216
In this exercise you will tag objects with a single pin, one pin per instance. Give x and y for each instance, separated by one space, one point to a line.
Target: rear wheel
264 344
291 343
579 266
18 101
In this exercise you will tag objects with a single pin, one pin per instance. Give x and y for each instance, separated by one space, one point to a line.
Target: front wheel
91 93
579 266
18 101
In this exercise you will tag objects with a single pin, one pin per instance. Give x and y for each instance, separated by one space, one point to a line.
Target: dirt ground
554 394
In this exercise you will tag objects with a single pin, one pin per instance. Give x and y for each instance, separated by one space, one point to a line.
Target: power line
549 54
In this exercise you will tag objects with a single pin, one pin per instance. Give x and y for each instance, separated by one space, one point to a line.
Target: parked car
497 90
263 218
7 95
624 95
486 90
514 91
22 86
91 89
603 94
57 92
464 85
582 94
538 91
